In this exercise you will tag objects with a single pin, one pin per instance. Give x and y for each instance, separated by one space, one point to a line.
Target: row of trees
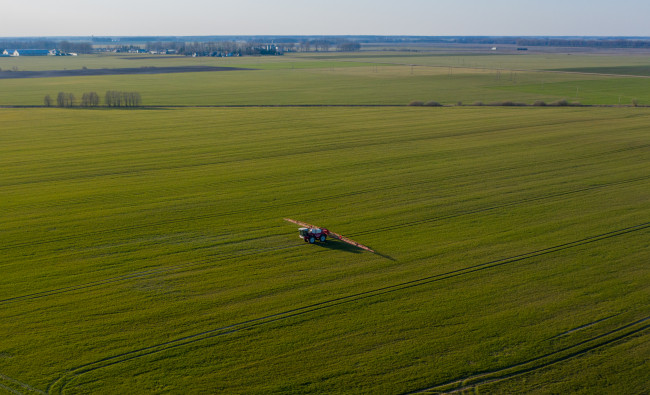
216 48
324 45
27 44
91 99
223 48
602 42
76 47
122 99
595 43
63 46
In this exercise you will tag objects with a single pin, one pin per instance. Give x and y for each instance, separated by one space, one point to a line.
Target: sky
34 18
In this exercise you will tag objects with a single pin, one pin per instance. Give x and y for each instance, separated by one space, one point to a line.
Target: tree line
595 43
122 99
91 99
63 46
27 44
604 42
254 47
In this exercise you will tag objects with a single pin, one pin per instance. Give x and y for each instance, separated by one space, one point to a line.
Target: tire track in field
583 326
331 147
314 200
496 207
307 201
59 384
17 387
619 334
305 150
180 267
140 274
496 170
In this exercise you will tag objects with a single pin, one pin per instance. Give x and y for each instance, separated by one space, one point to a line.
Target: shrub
539 103
478 103
432 104
416 103
560 103
506 103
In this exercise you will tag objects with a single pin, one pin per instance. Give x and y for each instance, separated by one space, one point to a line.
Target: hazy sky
332 17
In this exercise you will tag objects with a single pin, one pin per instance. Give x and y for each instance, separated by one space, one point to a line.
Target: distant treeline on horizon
82 47
85 44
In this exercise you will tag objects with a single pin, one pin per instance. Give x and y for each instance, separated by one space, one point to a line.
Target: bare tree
108 99
47 101
137 99
113 99
122 99
65 100
305 46
70 100
94 99
349 46
60 99
89 99
321 45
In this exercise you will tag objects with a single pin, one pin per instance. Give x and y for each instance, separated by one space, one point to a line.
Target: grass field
144 250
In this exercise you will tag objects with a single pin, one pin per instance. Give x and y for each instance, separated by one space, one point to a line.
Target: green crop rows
144 251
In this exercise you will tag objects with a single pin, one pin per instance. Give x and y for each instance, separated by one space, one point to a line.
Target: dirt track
122 71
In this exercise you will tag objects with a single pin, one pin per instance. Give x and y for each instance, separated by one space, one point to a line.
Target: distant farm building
29 52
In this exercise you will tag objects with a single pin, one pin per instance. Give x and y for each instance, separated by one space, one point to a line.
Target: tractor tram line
500 206
176 268
250 324
143 274
32 243
612 337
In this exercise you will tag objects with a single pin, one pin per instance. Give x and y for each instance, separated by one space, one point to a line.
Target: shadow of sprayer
312 233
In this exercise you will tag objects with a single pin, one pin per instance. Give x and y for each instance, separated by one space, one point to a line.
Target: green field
144 250
359 79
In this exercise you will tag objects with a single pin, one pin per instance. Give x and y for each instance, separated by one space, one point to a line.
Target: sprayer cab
310 235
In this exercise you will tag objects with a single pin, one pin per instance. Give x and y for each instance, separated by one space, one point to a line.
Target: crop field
340 79
144 250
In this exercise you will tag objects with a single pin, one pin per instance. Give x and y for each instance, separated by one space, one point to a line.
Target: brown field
119 71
